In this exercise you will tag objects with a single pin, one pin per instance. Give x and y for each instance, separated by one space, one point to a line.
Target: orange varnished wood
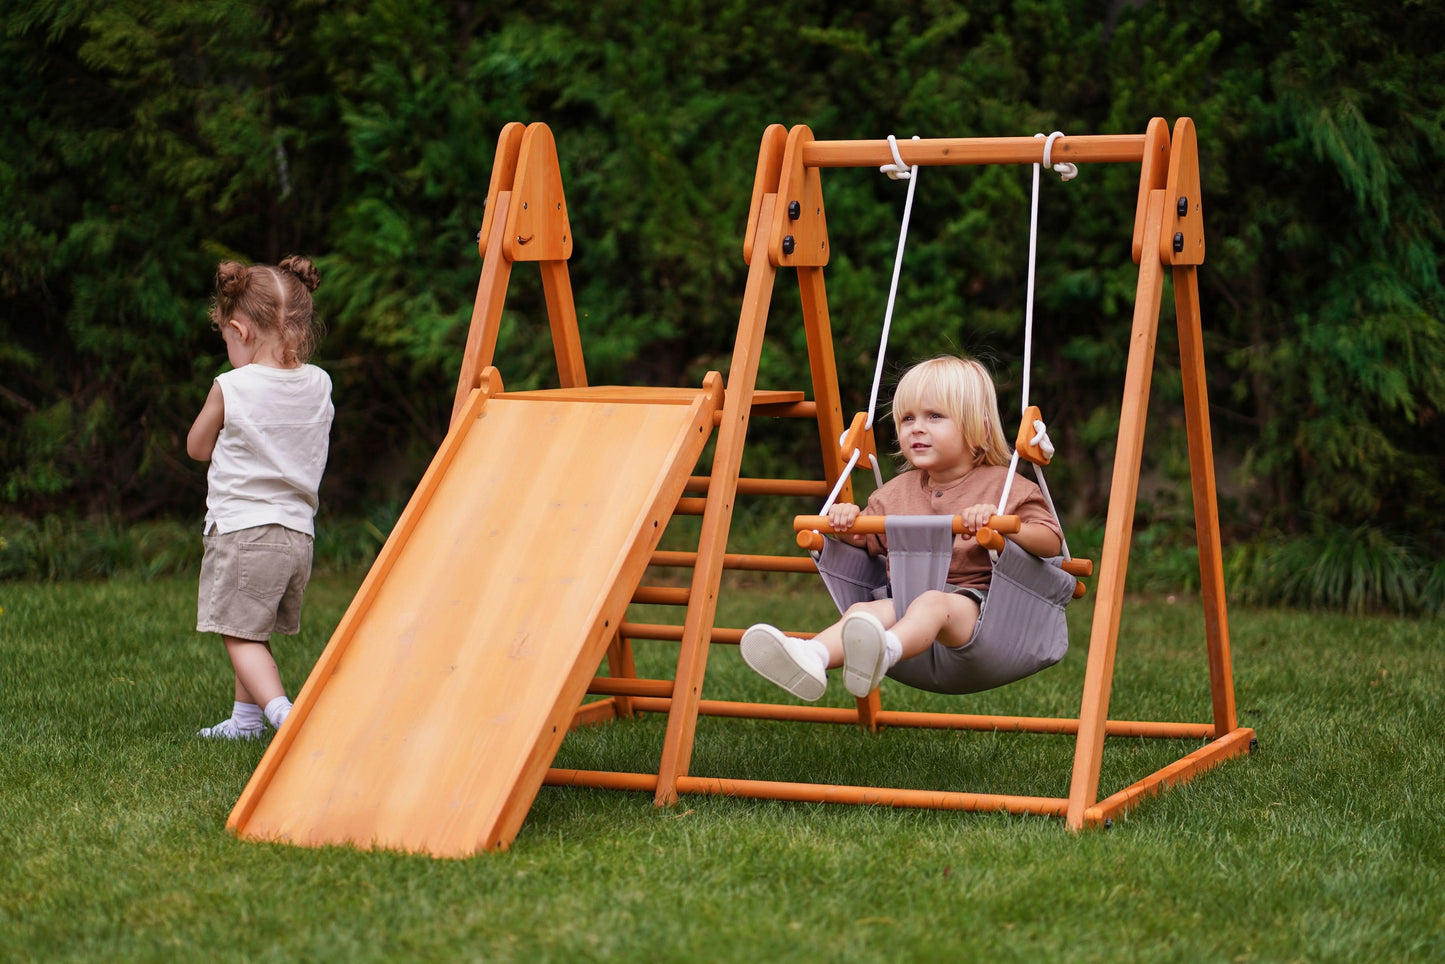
537 224
800 190
1118 525
487 309
804 713
1183 186
817 328
643 394
765 181
621 664
1232 744
717 518
475 645
877 524
859 438
596 713
562 318
458 628
951 151
1206 504
1023 442
504 170
1153 176
361 604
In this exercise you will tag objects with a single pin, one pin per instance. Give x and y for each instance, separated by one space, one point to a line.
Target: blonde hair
274 298
962 389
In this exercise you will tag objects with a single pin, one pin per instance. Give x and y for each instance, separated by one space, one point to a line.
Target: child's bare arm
842 515
1037 538
201 441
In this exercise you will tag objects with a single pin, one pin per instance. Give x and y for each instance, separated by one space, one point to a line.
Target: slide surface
430 720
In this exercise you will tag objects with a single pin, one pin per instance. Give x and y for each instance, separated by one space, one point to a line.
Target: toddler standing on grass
945 411
264 428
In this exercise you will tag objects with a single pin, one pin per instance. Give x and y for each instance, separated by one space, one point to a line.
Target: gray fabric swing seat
1022 629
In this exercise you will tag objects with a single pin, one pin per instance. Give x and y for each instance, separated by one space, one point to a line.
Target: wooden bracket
537 226
504 171
765 181
1023 444
1153 175
859 436
799 236
1182 241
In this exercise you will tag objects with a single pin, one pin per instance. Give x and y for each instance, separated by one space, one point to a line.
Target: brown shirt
910 493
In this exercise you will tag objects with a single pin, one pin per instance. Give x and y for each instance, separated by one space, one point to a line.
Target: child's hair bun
231 279
302 268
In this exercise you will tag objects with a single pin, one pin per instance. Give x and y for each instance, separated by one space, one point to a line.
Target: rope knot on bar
1064 169
898 171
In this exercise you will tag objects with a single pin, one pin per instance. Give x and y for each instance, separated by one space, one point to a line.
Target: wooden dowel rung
1059 726
698 484
776 410
629 686
881 796
878 524
751 563
661 596
672 633
602 779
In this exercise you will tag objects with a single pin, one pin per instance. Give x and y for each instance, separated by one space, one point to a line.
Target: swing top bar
954 151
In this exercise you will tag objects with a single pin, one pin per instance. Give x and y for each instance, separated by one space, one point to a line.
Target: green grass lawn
1327 844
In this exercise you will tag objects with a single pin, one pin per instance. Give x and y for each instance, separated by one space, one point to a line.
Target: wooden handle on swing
811 527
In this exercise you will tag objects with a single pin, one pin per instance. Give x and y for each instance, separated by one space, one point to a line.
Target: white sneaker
865 653
229 729
789 662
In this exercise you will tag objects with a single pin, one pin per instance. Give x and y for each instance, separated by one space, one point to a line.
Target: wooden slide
430 719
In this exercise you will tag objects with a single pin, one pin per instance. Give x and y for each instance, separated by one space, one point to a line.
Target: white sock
246 715
817 649
276 711
892 649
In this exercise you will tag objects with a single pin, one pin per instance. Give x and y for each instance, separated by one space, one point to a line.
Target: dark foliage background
142 141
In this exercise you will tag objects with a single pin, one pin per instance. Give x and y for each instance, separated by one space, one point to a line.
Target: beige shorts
252 581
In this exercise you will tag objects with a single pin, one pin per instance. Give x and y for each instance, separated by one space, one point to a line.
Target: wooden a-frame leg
620 665
487 309
1206 504
1119 524
717 517
562 316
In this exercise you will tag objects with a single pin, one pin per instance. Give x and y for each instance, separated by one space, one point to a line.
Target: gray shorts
252 581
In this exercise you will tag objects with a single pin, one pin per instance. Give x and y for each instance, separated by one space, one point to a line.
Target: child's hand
976 517
842 516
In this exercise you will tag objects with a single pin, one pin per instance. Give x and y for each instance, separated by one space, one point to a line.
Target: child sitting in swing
945 411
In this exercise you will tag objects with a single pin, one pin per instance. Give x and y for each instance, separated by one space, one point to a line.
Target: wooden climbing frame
787 229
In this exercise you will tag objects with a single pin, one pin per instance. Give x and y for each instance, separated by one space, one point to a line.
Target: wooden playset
432 718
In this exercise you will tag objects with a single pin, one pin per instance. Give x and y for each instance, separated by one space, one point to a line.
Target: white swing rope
1066 172
897 171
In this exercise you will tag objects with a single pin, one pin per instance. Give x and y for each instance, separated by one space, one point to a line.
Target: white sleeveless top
268 460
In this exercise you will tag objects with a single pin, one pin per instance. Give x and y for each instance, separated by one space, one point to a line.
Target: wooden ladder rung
629 686
698 484
669 632
751 563
661 596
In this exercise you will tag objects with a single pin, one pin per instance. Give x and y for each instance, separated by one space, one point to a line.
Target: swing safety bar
810 529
